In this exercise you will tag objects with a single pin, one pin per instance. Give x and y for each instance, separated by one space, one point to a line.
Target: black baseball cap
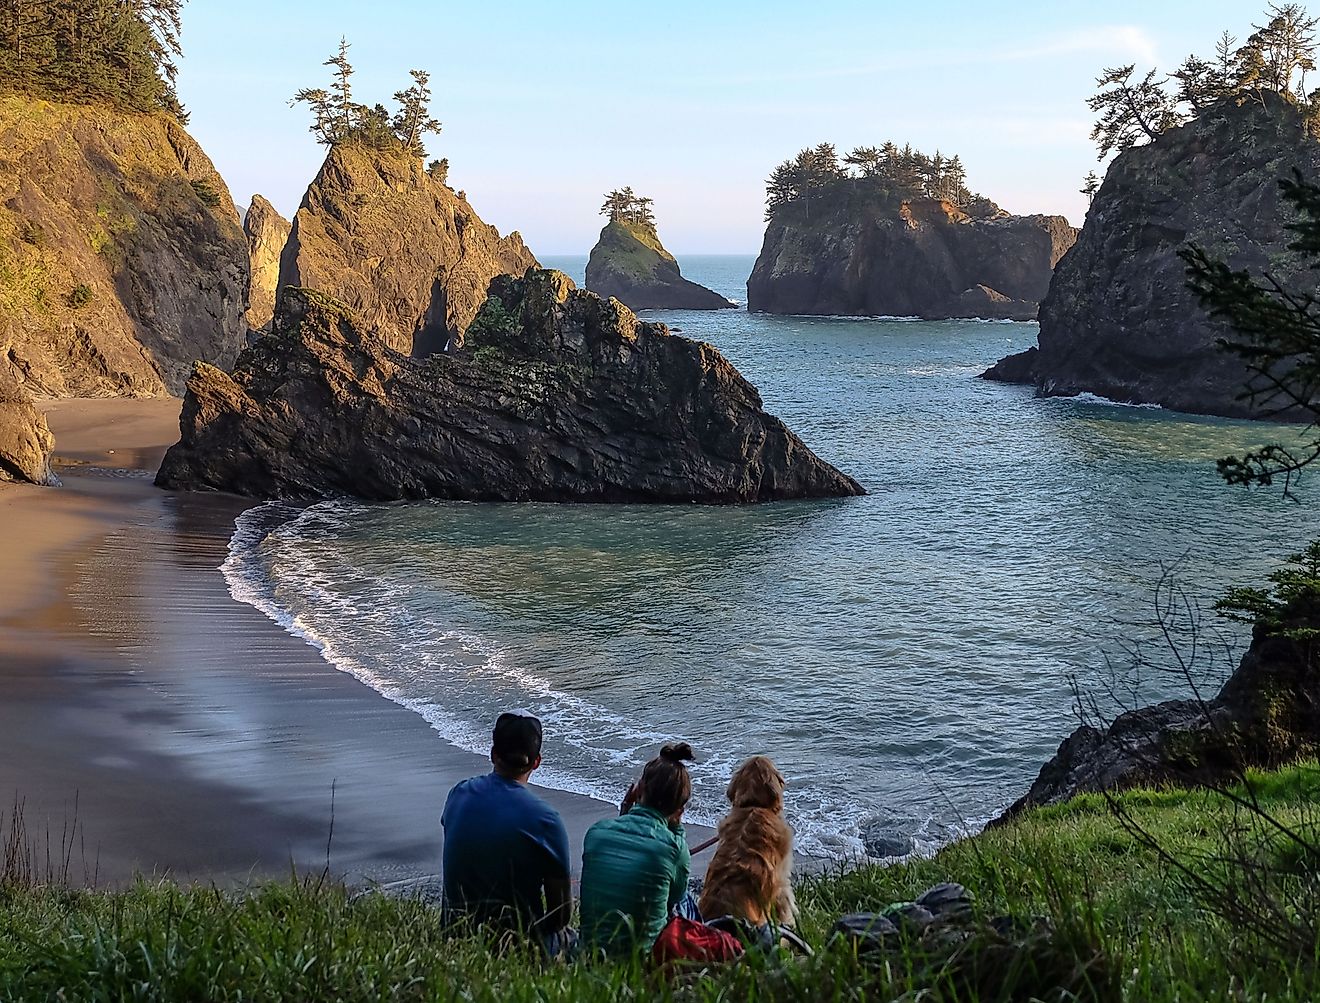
517 740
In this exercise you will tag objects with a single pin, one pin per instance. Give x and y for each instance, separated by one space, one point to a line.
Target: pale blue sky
548 105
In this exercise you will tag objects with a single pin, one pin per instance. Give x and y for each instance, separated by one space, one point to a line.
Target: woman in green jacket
635 867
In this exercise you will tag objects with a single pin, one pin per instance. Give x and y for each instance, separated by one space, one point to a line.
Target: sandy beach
182 730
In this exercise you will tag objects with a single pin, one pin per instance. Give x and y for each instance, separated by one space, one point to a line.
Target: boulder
630 264
558 395
890 256
267 232
1119 320
398 247
1017 368
122 260
1266 715
25 441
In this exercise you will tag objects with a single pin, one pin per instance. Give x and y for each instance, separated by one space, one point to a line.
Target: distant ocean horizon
905 657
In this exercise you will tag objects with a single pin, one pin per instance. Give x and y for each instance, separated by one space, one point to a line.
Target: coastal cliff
1119 320
121 256
267 232
404 252
630 264
883 255
559 395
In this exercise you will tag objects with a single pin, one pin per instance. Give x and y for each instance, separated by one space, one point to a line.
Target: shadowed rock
25 441
919 257
1119 320
630 264
1266 715
398 247
559 395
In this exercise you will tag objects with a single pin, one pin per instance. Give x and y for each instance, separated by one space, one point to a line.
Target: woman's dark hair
666 786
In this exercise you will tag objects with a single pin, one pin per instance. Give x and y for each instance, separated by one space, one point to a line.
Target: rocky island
558 395
630 264
892 232
1119 320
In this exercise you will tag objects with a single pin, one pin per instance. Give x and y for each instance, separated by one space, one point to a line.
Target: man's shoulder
538 806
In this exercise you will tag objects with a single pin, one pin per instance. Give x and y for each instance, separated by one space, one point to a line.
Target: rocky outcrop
630 264
883 256
25 441
398 247
559 395
121 257
267 232
1266 715
1119 320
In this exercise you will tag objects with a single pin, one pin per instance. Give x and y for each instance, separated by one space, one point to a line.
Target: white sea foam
1090 398
273 559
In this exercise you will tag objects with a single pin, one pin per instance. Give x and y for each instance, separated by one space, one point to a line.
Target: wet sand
193 735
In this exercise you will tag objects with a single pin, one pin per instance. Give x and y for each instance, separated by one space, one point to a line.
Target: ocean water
906 658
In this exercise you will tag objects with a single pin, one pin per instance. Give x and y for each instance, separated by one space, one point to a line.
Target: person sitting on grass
635 867
506 859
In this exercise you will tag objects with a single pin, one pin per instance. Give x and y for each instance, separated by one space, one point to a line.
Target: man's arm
558 905
558 889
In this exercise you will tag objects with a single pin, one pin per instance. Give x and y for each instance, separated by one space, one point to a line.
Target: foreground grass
1124 926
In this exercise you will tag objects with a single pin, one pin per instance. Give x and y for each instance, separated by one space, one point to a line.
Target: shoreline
194 735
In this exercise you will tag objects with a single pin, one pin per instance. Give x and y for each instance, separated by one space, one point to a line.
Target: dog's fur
749 876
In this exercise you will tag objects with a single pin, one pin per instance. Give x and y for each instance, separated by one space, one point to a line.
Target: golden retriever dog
749 875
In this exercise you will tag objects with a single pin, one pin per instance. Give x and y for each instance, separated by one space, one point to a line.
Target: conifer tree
1129 111
413 120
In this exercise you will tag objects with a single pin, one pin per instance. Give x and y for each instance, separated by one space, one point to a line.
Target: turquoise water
905 657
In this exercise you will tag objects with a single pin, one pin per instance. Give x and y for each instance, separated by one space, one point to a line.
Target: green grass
1114 906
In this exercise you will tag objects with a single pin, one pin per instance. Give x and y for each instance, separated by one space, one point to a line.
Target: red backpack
687 940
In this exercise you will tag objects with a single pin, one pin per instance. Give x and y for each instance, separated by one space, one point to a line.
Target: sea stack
630 264
124 254
1119 320
898 234
267 232
403 251
558 395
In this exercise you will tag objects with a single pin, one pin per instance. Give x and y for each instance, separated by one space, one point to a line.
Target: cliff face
630 264
402 251
558 396
1119 320
121 256
918 257
267 232
25 441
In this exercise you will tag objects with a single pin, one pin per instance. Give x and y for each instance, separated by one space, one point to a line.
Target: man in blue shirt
506 860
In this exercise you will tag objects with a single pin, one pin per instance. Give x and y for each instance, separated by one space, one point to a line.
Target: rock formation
1266 715
121 257
922 257
1119 320
398 247
25 441
267 232
630 264
558 395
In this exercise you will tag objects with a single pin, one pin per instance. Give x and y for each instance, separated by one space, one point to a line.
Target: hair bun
678 752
